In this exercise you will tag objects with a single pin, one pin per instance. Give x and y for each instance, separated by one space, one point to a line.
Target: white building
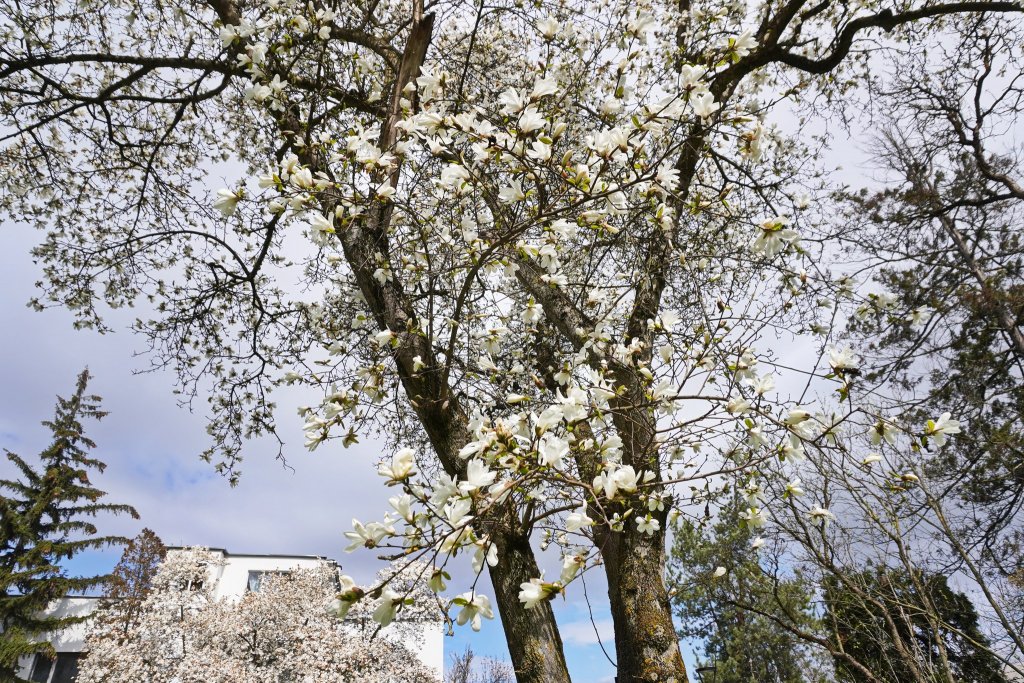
236 575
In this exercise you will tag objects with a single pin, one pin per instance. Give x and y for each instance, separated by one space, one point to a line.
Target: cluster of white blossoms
282 631
501 194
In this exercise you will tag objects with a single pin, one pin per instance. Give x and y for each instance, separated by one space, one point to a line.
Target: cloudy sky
150 445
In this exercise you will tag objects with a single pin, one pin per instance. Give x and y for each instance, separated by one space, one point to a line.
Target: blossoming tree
281 632
546 249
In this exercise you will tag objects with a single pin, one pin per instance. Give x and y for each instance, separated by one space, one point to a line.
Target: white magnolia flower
611 106
302 178
536 591
939 429
429 83
622 479
385 191
643 23
548 27
455 176
704 104
436 581
403 506
531 120
533 312
474 607
257 92
756 436
647 525
919 316
753 518
667 321
402 465
321 228
841 359
539 150
691 77
719 572
457 512
578 519
793 449
796 416
883 431
819 514
227 201
512 101
387 607
478 476
543 87
570 567
773 237
737 406
485 552
228 35
366 536
513 193
741 45
552 450
764 384
871 459
383 338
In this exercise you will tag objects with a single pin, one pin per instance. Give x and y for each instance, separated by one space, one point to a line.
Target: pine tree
735 617
47 515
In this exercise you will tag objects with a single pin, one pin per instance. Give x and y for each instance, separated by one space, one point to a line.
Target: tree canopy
281 632
558 255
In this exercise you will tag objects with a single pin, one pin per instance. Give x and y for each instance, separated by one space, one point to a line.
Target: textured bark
646 644
534 642
645 638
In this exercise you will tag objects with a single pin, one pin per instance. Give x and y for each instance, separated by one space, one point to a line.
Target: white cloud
581 633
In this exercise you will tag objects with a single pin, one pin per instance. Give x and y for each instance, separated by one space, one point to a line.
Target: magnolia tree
283 632
551 251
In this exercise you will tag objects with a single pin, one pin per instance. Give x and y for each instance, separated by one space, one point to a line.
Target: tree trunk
534 642
646 644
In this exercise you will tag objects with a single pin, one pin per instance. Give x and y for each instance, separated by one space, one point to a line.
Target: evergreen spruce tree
46 515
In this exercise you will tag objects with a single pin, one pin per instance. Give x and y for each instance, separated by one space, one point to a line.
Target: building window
41 668
63 669
256 579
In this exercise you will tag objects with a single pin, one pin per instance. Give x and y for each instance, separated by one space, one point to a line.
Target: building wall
71 639
430 646
232 577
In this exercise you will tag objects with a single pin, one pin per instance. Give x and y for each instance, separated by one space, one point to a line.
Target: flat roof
281 556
